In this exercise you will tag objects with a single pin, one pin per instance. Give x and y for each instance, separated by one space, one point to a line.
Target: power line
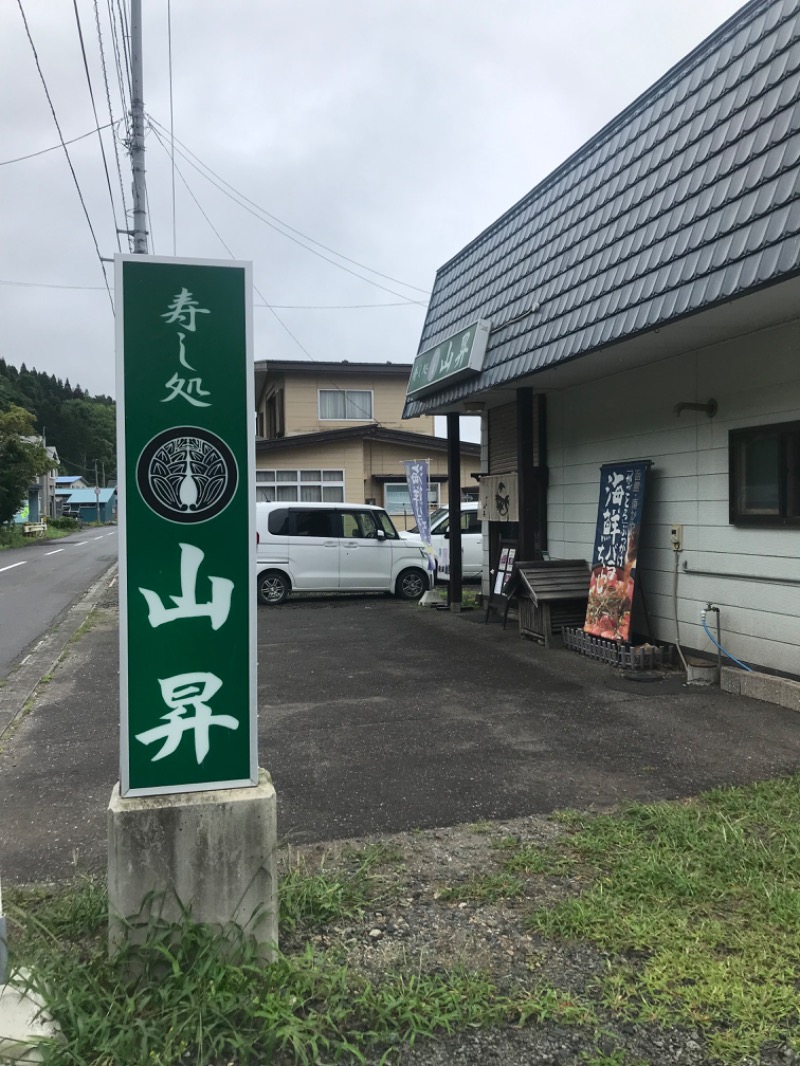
97 122
175 169
115 35
279 307
66 151
53 147
275 223
230 252
172 129
110 111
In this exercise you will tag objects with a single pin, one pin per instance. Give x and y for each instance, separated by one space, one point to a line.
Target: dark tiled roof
371 432
689 198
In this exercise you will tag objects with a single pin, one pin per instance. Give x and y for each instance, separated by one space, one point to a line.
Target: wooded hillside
82 428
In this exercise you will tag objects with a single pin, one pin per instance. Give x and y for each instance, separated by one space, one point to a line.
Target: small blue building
94 504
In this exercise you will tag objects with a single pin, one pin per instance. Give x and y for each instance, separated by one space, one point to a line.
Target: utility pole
137 132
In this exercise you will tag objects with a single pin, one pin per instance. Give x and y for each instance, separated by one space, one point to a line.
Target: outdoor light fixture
474 407
710 407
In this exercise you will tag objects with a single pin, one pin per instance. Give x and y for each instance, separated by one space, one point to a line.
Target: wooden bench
550 594
34 529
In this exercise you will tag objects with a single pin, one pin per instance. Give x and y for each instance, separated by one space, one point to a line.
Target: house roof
688 199
327 370
87 496
68 479
370 432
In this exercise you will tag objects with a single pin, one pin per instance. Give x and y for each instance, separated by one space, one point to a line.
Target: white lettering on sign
182 387
186 605
182 693
184 310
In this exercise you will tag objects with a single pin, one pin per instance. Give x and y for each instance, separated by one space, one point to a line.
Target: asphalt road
377 716
39 582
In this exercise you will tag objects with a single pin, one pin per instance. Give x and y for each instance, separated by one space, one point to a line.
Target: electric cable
266 303
675 616
279 307
53 147
275 223
172 128
96 121
111 113
121 85
66 151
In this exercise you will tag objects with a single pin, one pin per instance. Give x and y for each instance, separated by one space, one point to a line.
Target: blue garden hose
718 645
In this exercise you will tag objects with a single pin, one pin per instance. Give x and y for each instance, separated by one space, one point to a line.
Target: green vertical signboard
186 523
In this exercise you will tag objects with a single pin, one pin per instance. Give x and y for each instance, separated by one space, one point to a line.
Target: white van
334 547
471 539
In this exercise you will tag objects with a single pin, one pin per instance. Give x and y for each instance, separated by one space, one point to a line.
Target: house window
305 486
275 421
345 405
396 499
765 475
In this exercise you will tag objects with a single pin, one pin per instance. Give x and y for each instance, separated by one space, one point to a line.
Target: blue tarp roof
689 198
85 496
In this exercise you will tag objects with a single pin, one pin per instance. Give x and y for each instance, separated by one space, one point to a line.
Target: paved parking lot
380 716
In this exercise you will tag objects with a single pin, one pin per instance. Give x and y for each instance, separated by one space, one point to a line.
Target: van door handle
351 544
329 544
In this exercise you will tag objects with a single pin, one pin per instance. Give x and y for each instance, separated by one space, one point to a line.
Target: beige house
334 431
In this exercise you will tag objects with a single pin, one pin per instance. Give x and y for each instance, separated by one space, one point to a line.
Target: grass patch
486 888
700 904
310 899
203 998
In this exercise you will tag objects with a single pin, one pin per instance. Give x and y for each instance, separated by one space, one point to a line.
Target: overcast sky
390 131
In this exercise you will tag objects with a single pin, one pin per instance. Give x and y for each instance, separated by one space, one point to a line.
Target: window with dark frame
764 465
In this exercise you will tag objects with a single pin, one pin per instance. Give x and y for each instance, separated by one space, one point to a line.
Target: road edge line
21 684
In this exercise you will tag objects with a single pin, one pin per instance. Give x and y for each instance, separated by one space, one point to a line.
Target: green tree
21 462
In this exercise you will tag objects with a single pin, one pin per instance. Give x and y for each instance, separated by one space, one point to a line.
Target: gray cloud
390 130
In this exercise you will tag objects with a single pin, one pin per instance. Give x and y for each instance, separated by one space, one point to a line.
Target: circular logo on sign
186 474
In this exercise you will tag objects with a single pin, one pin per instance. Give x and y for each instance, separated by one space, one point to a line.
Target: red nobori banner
616 546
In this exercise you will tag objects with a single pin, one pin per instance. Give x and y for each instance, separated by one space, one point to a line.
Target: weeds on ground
312 899
191 994
697 905
700 904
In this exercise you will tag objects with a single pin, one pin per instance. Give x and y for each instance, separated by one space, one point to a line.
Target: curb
23 681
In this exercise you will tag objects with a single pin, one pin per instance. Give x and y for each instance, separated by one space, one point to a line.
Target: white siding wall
755 380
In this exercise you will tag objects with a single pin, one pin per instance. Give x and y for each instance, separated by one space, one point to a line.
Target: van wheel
273 588
411 584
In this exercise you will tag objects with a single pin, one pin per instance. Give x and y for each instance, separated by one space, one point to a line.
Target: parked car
72 512
471 539
334 547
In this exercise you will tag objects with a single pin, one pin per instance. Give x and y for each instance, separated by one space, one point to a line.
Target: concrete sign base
213 852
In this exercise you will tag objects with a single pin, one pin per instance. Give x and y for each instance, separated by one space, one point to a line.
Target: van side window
312 524
358 524
278 522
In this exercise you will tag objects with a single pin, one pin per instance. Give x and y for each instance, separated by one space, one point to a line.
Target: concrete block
790 694
730 680
214 852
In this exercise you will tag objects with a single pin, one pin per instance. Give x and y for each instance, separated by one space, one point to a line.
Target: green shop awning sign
449 361
186 524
